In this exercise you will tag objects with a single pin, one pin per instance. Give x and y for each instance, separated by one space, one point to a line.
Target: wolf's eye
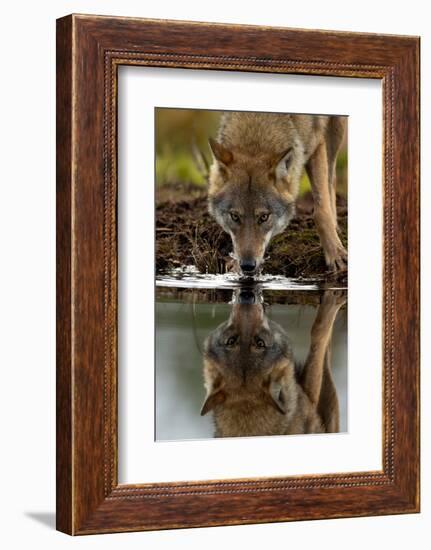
263 218
231 341
235 217
260 343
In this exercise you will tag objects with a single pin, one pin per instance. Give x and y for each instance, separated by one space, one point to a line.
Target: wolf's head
248 362
253 198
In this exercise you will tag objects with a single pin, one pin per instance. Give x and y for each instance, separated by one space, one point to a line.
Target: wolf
258 160
254 384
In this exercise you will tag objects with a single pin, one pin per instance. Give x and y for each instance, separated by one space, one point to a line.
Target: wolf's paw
337 260
231 265
334 298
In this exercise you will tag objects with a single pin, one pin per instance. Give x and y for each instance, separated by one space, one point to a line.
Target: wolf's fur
254 180
255 387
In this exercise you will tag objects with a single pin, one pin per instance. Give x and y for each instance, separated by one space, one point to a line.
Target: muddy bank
187 235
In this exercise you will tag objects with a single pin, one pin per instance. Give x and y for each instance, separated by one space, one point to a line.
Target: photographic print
251 273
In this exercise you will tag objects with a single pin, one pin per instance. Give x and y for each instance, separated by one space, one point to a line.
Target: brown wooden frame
89 51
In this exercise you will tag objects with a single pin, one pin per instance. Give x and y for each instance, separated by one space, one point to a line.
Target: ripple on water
190 277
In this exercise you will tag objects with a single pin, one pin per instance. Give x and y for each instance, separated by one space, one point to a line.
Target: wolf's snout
247 296
248 266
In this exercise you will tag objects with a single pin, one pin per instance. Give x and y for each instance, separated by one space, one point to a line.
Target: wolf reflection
254 384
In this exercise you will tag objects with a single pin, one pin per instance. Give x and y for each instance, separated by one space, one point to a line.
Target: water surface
188 312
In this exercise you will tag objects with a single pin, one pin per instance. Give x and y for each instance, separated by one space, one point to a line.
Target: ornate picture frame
89 51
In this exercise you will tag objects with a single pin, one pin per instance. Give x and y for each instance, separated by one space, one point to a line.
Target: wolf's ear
220 152
276 397
213 399
282 162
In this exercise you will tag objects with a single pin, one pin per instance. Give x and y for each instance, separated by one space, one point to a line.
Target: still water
247 334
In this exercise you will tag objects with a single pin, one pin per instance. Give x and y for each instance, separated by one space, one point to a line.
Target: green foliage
177 167
342 159
177 132
304 186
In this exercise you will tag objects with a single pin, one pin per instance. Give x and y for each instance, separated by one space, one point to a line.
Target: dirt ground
187 235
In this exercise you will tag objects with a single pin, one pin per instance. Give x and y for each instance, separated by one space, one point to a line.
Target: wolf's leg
328 407
312 376
317 169
334 139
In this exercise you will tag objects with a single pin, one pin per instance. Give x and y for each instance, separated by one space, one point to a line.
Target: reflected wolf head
248 368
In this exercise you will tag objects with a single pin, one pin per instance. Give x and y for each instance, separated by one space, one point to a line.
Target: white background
27 122
142 459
